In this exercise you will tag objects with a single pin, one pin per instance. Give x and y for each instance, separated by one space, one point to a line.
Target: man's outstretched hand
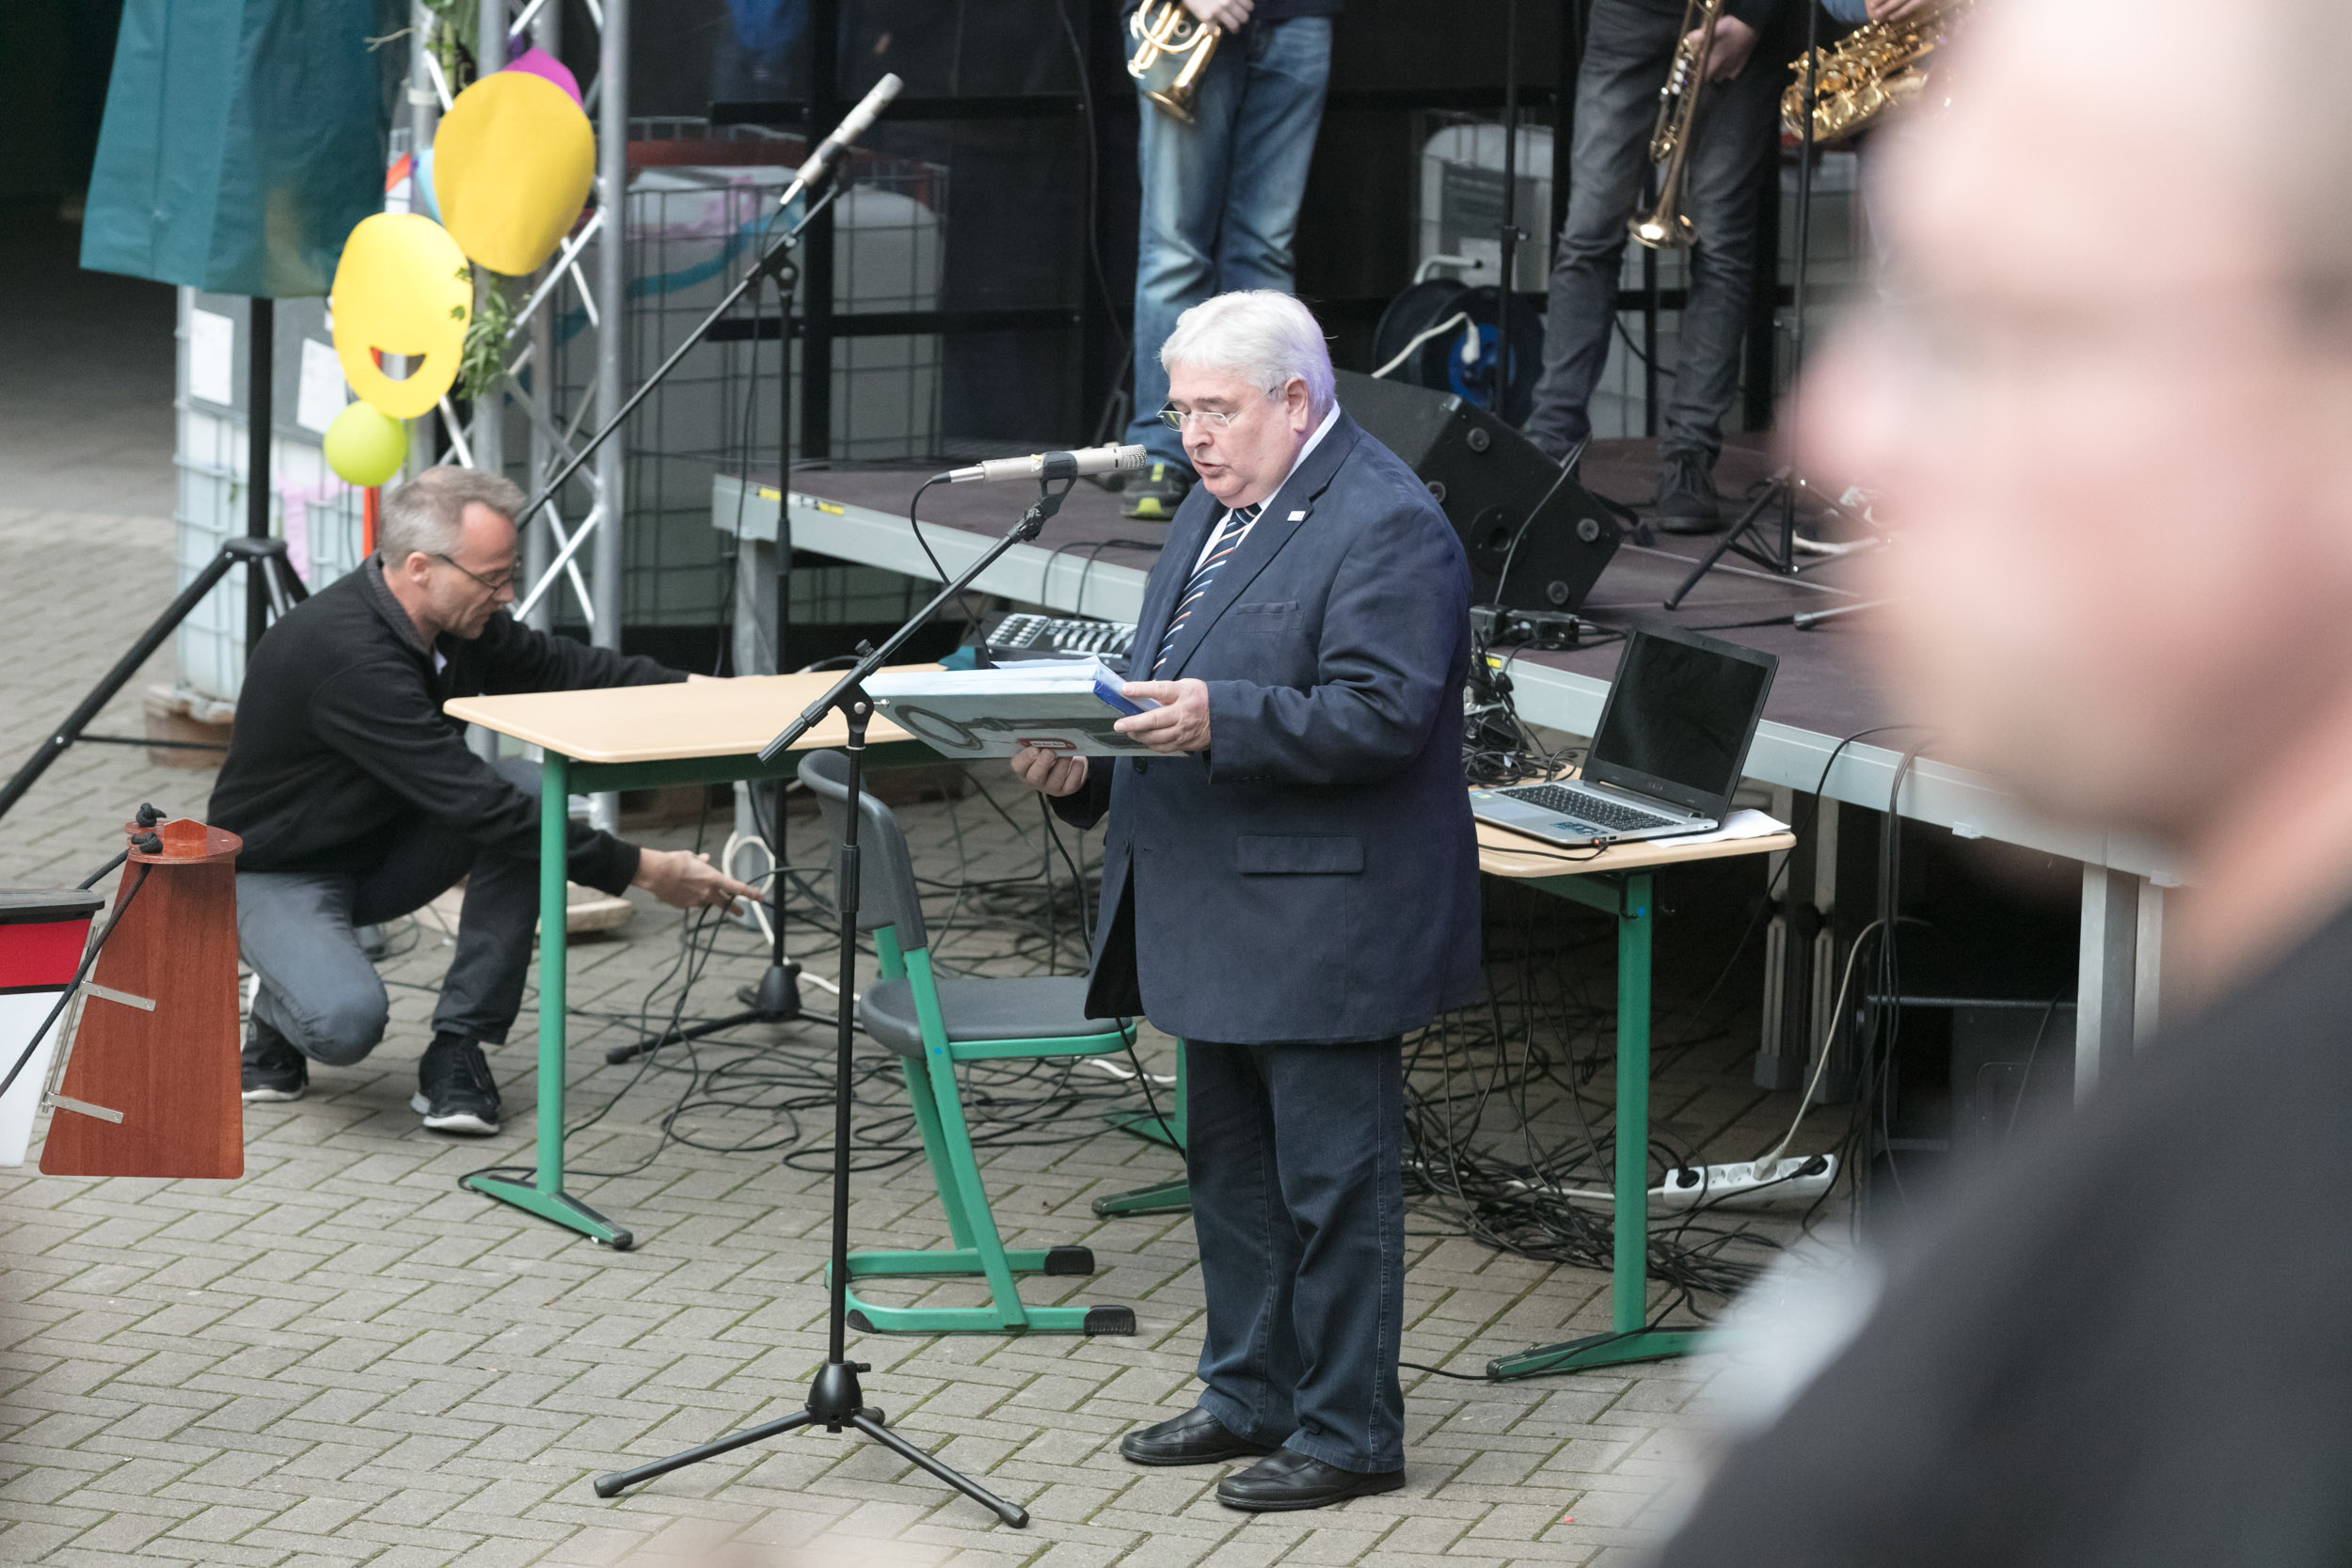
687 881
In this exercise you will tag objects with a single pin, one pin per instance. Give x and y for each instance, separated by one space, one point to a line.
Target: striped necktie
1229 534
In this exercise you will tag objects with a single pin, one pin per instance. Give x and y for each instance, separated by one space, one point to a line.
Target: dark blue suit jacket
1313 876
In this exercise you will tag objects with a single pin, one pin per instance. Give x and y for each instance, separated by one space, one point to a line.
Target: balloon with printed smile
402 289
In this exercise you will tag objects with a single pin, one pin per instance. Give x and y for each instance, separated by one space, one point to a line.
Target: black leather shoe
1195 1438
1288 1479
1686 496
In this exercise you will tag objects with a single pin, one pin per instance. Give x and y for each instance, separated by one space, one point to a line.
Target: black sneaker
1686 496
269 1068
1157 492
455 1090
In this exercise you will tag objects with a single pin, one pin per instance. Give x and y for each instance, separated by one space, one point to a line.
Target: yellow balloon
512 162
365 446
403 287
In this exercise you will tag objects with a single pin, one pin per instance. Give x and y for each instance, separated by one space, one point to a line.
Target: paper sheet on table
1744 823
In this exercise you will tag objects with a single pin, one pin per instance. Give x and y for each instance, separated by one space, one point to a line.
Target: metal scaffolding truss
590 264
551 544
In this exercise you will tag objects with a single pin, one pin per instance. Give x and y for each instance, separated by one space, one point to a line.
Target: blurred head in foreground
2108 408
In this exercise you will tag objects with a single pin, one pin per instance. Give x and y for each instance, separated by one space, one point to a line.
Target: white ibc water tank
316 512
693 233
1461 200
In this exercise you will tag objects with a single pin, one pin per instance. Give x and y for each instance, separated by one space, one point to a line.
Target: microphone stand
834 1399
776 997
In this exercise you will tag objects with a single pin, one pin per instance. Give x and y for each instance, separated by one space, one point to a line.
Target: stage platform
1089 560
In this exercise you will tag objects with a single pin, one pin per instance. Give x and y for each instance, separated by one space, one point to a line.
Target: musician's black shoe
1686 496
1195 1438
1288 1479
269 1068
1156 492
455 1090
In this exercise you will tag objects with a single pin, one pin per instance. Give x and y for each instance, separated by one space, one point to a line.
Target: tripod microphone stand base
1746 537
835 1401
776 998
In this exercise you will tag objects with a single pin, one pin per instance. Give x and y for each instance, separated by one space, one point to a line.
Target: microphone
1081 464
853 125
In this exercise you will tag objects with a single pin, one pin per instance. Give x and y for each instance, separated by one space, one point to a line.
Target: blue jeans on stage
1221 195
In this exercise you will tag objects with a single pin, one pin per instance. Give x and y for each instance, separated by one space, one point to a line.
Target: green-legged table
634 737
1616 882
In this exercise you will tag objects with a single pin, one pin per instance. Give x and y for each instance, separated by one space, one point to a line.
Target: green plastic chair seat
1041 1008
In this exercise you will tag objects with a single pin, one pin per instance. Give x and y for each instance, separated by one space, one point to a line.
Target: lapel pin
1298 516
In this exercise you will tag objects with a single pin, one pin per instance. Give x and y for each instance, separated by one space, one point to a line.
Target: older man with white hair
1289 884
2109 404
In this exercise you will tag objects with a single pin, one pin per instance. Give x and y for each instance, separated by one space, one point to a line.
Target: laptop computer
1673 738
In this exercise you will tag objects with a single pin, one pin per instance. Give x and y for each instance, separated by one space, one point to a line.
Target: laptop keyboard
1591 809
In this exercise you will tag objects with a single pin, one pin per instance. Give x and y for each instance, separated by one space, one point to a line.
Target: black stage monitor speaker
1536 539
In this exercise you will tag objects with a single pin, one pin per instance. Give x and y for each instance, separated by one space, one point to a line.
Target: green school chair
932 1022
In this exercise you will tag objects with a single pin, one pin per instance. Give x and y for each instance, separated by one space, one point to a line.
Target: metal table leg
1167 1130
543 1196
1629 1339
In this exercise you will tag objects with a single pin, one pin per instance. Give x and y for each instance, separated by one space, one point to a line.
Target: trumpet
1871 70
1665 226
1172 48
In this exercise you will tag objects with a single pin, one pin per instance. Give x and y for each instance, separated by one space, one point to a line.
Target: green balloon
365 447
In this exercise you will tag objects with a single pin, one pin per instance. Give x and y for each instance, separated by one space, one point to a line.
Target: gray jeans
1626 52
298 932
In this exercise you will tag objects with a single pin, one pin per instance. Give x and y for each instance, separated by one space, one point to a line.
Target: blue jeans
297 931
1221 195
1293 1154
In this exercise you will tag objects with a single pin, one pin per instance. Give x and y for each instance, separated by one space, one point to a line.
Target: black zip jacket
340 745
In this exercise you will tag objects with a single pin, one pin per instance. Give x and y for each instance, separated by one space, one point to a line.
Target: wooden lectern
158 1037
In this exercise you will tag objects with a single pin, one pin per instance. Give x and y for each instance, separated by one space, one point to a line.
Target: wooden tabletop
733 718
1504 853
661 723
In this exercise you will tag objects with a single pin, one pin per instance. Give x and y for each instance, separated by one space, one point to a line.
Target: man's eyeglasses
498 584
1215 419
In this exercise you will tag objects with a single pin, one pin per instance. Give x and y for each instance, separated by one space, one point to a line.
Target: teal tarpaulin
243 139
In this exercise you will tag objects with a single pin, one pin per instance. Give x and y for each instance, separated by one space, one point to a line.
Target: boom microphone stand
777 998
1746 536
835 1400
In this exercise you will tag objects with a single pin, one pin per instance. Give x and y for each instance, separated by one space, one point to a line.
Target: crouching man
358 800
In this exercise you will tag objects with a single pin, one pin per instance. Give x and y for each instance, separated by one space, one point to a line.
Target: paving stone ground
343 1359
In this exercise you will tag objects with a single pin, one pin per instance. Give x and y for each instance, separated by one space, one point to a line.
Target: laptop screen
1679 718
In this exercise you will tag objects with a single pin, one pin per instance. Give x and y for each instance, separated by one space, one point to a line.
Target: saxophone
1873 69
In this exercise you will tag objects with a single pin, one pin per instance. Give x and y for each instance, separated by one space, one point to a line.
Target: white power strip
1792 1179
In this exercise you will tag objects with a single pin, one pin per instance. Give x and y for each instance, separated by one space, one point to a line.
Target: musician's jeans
298 932
1625 53
1221 195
